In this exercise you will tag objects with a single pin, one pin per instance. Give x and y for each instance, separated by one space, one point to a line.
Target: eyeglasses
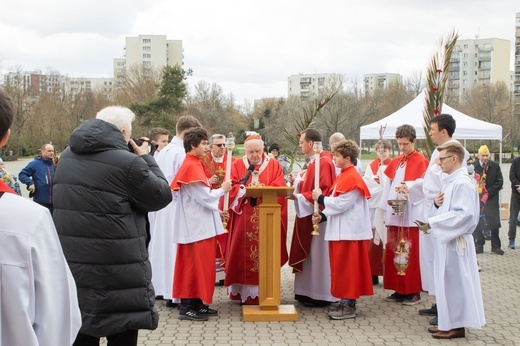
442 158
220 145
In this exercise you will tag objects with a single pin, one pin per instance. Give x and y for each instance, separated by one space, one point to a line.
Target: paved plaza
378 322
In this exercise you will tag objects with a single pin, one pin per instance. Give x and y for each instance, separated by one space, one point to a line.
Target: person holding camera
102 195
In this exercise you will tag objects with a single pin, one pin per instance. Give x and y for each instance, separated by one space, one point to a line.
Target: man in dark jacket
491 175
514 206
38 175
102 194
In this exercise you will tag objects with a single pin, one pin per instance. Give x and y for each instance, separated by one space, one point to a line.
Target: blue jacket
39 172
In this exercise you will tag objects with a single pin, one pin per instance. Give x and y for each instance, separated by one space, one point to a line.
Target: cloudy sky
247 47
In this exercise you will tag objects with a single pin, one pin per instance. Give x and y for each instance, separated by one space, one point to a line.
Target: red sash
416 165
191 171
348 180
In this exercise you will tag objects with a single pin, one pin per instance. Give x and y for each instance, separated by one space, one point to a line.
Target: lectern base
253 313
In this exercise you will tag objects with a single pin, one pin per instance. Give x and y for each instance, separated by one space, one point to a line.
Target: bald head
334 139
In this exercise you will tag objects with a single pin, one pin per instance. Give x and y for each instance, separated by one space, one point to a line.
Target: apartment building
306 85
516 77
375 81
148 53
479 62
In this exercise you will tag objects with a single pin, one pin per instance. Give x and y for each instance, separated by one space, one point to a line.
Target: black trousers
126 338
514 208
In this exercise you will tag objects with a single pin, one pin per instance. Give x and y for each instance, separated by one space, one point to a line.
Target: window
147 48
465 46
464 73
147 56
147 40
465 55
465 63
147 63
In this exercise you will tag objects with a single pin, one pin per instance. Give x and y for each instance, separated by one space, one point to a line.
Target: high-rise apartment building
375 81
516 78
479 62
147 53
305 85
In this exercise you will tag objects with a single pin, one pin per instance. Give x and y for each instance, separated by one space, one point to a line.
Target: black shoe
434 321
159 298
191 315
204 310
219 283
498 251
396 297
375 280
429 312
171 304
479 250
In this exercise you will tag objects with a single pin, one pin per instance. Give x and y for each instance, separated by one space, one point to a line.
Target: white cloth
413 209
162 250
377 214
38 298
457 282
432 185
196 213
314 279
348 217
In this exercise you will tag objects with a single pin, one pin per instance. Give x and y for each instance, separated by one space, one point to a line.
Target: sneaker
412 299
204 310
192 315
498 251
171 304
342 312
434 321
396 297
429 312
511 244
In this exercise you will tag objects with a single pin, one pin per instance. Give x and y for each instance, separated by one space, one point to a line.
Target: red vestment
218 169
410 283
242 258
375 251
194 274
349 261
301 240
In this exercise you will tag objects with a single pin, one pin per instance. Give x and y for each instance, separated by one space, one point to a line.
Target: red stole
191 171
5 188
416 165
348 180
377 162
301 241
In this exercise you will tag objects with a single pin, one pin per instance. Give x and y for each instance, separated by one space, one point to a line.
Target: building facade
306 85
479 62
148 53
375 81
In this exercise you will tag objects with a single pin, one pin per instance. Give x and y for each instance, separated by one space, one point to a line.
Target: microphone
250 170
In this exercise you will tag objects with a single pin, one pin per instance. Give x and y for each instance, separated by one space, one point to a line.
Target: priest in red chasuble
406 173
309 255
242 259
215 167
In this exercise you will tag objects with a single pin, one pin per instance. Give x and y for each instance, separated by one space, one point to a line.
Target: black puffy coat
102 193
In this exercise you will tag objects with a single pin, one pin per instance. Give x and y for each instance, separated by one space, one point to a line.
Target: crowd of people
114 230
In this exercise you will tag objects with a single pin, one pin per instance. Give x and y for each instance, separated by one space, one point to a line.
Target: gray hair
216 136
121 117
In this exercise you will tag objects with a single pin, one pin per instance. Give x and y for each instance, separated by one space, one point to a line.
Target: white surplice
38 298
314 279
377 214
162 249
432 185
457 281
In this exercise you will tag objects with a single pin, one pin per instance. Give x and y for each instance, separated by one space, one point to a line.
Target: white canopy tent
412 114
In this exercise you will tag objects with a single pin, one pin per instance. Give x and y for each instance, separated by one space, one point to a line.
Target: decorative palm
436 78
303 123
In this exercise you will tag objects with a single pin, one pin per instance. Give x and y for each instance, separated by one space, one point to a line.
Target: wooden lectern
269 266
